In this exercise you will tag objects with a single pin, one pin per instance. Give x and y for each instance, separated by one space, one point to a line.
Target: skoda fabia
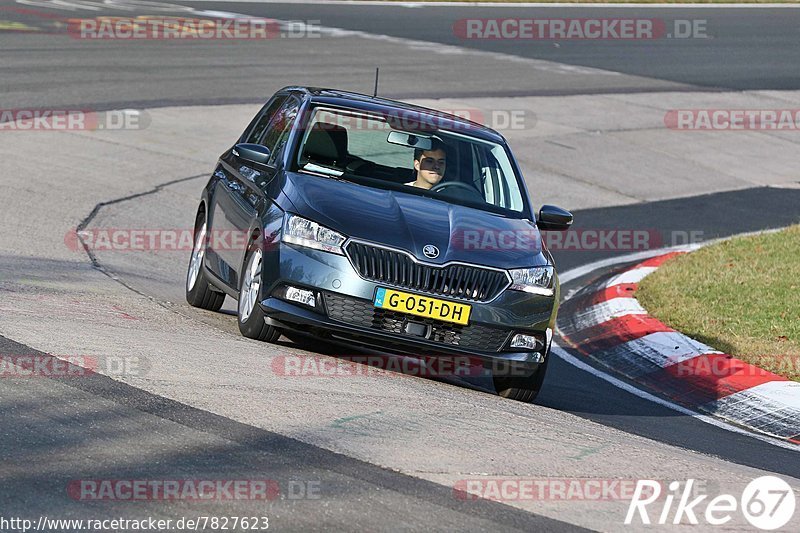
382 224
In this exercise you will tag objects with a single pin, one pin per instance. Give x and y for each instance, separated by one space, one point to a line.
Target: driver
429 165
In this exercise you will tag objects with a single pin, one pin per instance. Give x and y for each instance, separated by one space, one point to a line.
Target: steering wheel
457 185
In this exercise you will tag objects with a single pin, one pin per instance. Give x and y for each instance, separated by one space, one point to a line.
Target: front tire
250 314
522 388
199 292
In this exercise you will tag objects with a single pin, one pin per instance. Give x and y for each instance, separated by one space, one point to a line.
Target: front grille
398 269
362 313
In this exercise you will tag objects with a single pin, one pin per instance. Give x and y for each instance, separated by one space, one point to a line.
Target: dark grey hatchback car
385 225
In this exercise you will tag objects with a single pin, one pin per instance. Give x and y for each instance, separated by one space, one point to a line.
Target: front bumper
344 311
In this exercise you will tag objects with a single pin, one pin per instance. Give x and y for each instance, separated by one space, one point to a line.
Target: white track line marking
787 393
631 276
574 361
584 270
607 310
659 350
581 271
772 407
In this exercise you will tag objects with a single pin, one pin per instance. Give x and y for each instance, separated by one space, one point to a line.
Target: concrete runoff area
415 46
81 433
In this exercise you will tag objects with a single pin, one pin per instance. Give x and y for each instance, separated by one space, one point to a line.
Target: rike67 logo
768 503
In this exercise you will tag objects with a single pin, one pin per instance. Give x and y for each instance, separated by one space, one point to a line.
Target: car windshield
385 152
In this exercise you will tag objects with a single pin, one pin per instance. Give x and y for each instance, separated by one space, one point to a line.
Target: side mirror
553 218
252 152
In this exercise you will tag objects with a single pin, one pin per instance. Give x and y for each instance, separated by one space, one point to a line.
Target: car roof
387 107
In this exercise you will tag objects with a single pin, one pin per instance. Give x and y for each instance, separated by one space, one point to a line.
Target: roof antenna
377 71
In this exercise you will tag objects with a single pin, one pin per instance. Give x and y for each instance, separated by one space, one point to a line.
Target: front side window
259 126
493 168
277 133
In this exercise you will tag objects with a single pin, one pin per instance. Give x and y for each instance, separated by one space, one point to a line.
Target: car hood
410 222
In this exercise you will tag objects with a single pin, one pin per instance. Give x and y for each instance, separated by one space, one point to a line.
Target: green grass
741 296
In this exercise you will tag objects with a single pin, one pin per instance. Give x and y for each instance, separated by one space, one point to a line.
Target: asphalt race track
381 451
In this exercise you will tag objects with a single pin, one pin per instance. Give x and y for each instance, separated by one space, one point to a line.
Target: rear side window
267 113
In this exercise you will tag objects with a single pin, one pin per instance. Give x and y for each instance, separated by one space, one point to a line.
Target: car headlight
304 232
535 280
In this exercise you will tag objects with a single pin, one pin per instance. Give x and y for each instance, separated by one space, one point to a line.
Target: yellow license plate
414 304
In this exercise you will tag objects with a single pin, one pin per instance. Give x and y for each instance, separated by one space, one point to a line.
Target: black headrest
326 143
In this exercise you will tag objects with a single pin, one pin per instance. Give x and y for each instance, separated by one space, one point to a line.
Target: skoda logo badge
430 251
